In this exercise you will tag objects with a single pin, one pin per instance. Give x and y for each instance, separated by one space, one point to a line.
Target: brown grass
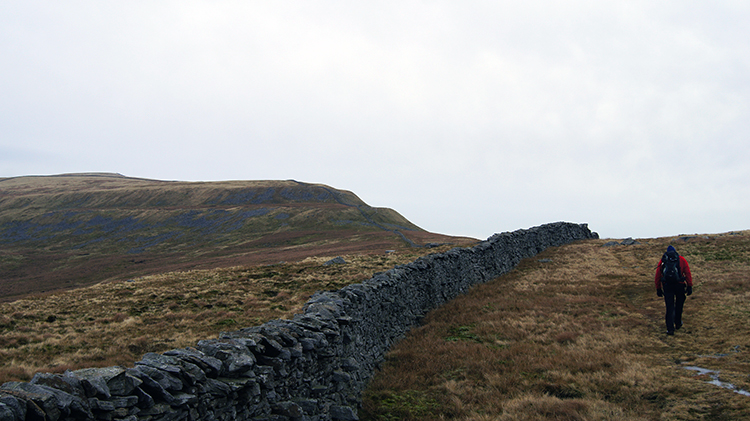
579 338
116 323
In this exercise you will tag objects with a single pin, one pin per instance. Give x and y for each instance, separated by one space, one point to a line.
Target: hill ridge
76 229
369 219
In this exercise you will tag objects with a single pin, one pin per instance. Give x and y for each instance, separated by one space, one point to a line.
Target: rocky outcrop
626 242
312 367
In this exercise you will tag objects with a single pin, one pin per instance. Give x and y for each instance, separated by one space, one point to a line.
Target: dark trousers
674 297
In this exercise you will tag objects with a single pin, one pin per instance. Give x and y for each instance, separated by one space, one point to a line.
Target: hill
72 230
578 333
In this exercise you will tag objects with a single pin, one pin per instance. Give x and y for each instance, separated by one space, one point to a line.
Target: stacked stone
312 367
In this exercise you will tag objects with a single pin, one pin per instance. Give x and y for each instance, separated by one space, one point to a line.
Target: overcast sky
467 117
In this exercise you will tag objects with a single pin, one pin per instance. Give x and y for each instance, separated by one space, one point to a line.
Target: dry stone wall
312 367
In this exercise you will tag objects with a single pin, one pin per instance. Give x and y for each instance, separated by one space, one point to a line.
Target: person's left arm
686 272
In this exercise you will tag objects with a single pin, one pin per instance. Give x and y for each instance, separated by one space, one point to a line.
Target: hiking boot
670 332
678 325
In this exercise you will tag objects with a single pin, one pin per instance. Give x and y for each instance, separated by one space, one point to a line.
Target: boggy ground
116 323
577 333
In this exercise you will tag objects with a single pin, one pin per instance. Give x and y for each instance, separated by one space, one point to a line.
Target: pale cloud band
468 118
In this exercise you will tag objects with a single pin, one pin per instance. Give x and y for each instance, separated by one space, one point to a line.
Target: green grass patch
401 405
462 333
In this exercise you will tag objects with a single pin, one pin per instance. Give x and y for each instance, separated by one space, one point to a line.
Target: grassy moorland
74 230
577 333
115 323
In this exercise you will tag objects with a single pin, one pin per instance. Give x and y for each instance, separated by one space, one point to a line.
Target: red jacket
684 268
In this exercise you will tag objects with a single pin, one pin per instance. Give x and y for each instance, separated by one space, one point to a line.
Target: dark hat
670 248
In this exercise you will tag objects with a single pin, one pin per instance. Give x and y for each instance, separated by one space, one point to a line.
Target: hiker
673 282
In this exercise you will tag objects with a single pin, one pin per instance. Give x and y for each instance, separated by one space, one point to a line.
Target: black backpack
670 268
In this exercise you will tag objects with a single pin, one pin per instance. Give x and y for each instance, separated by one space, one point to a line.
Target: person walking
673 282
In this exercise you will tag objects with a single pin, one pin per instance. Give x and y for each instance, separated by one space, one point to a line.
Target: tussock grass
116 323
577 333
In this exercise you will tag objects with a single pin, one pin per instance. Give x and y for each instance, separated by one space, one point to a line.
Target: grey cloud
467 118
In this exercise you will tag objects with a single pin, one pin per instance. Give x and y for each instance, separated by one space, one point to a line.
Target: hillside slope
578 333
66 231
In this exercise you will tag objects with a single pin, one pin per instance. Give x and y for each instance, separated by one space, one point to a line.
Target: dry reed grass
116 323
577 333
